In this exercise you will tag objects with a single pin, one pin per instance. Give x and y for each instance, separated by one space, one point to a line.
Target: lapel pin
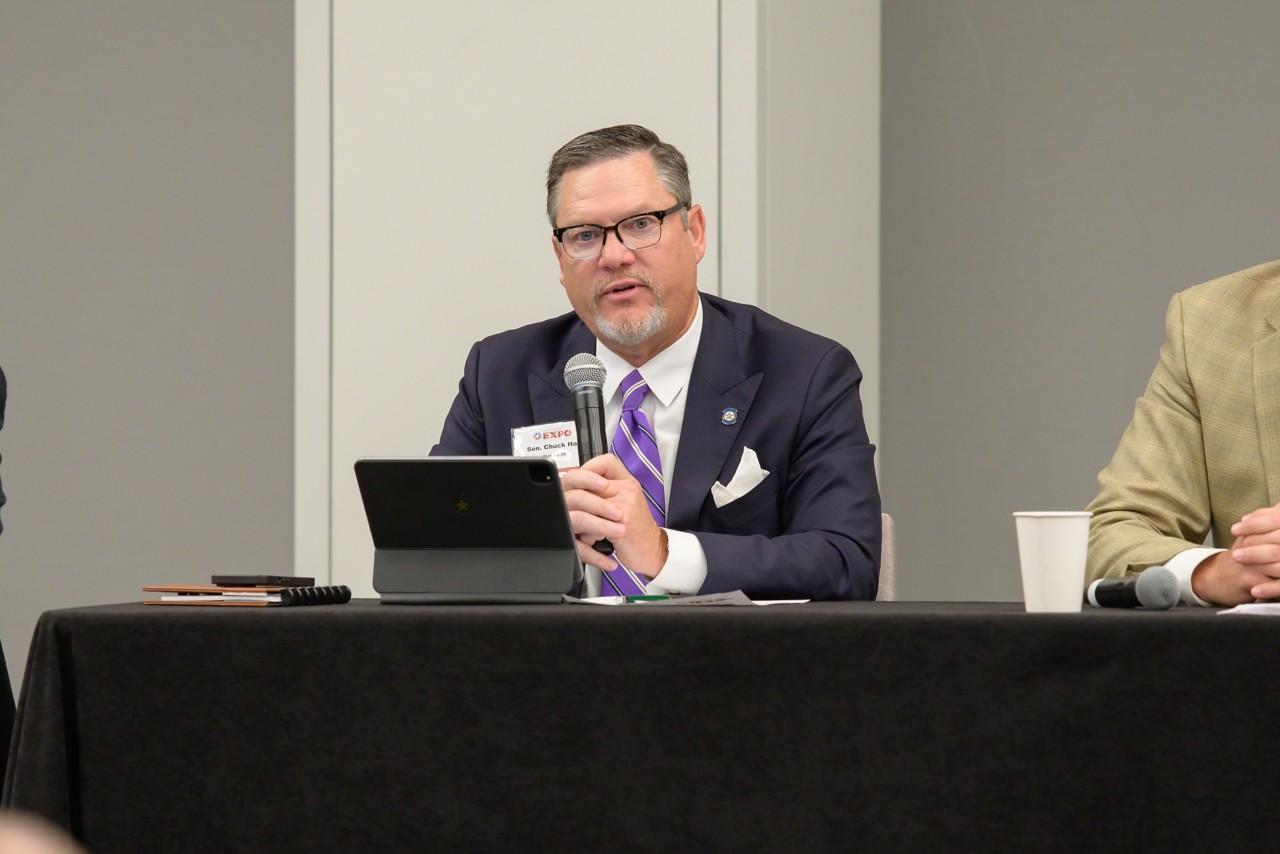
729 416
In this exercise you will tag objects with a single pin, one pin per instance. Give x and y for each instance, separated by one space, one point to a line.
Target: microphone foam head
584 369
1157 588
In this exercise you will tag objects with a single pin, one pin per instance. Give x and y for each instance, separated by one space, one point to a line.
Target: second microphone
1155 588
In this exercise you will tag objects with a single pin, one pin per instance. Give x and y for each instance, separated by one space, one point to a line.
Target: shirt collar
667 373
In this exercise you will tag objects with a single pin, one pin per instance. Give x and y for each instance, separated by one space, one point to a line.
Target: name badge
558 441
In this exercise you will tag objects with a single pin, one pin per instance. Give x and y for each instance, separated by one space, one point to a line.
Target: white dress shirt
1182 565
668 376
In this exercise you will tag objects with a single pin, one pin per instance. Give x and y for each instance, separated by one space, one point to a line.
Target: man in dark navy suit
764 477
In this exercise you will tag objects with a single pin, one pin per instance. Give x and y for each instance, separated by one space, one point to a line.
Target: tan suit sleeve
1203 448
1153 500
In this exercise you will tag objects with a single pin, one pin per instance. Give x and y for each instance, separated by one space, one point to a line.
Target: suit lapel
717 383
548 395
1266 396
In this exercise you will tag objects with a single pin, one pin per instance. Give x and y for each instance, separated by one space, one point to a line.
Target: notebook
468 529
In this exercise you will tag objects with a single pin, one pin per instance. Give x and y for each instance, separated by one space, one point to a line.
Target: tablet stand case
468 530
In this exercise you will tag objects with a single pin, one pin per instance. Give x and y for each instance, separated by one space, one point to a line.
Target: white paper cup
1051 551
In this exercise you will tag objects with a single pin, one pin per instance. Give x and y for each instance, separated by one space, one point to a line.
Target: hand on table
1250 569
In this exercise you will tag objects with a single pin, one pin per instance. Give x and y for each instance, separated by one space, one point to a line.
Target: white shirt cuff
686 566
1182 565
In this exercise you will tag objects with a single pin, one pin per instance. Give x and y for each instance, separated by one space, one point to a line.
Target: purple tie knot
633 391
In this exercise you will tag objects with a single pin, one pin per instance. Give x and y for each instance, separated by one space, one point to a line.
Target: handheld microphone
584 375
1155 588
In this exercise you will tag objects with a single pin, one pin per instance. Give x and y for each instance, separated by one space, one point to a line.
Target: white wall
443 119
820 176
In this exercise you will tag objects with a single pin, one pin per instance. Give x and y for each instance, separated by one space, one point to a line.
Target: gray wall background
819 179
146 298
1051 174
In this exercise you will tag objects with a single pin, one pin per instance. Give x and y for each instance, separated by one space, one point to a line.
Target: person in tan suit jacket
1202 453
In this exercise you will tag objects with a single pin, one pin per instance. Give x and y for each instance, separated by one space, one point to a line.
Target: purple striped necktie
634 444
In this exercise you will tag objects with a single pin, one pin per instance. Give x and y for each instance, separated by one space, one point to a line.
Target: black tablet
468 529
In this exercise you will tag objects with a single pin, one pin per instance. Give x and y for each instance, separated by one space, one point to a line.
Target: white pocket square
746 478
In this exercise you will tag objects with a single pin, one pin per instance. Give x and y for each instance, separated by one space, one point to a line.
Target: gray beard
632 333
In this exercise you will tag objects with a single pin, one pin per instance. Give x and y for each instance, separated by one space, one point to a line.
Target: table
889 726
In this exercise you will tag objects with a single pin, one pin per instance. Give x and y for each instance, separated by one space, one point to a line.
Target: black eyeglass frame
558 233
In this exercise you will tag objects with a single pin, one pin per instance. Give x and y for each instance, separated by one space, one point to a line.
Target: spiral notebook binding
331 595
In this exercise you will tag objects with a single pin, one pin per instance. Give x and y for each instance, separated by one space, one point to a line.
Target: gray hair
611 143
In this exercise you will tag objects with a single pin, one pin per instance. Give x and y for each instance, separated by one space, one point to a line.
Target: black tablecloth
850 726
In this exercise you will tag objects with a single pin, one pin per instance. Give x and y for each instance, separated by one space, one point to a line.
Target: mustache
639 276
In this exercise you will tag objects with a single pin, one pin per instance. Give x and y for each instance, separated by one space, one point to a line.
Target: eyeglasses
635 232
